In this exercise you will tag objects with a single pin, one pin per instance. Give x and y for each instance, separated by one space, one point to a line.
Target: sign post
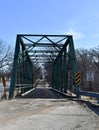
90 78
90 75
4 85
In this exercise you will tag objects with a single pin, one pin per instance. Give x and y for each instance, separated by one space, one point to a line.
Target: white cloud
76 35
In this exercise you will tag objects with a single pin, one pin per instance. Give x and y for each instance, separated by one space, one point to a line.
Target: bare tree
82 63
95 53
88 60
6 55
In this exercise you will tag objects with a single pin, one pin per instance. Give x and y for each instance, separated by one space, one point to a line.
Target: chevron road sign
78 78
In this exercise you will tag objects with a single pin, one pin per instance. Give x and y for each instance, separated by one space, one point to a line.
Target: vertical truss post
57 74
53 75
23 69
57 77
70 75
29 75
15 63
61 73
65 74
73 62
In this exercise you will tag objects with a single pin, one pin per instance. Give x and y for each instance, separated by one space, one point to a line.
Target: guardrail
90 94
19 87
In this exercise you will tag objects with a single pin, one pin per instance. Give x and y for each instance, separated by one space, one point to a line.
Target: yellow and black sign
3 80
78 78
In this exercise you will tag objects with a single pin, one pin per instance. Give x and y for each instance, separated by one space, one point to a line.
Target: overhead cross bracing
34 51
47 45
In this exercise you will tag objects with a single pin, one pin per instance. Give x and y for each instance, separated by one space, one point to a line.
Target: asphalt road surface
46 114
38 111
42 91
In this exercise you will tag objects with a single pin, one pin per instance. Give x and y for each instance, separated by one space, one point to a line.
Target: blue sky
77 17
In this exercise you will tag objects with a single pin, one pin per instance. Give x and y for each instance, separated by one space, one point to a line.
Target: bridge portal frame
62 57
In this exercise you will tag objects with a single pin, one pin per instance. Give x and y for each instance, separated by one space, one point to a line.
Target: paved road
46 114
42 91
37 113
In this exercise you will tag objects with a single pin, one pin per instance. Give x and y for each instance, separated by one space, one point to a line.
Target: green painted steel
22 69
65 64
13 76
32 51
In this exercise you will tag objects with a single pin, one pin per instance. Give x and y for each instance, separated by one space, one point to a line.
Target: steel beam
15 63
40 35
42 44
43 51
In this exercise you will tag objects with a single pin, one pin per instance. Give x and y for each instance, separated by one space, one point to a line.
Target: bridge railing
89 94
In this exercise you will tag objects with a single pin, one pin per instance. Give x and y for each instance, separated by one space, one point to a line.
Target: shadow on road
92 107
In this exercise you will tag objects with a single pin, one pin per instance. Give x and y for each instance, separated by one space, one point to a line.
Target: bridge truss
34 51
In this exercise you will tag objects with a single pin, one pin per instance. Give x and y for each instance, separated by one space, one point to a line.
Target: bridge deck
42 91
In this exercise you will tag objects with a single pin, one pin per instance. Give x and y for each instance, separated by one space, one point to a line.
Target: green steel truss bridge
33 52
